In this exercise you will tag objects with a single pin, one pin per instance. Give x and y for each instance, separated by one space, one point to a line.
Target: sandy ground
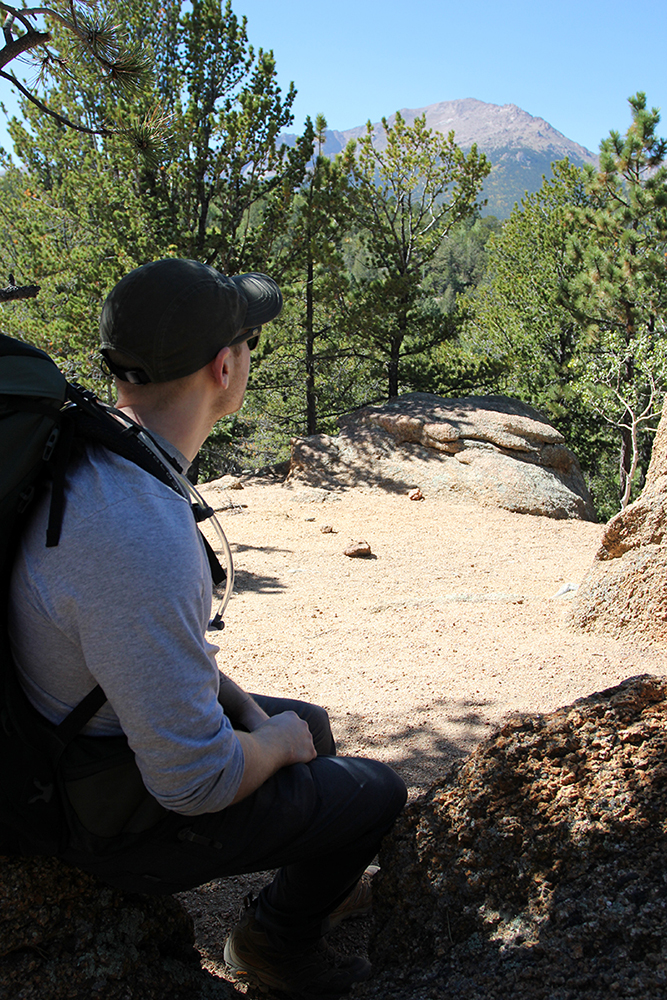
417 651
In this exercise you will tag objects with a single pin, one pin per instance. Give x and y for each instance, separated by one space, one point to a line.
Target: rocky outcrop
537 869
625 592
66 936
496 450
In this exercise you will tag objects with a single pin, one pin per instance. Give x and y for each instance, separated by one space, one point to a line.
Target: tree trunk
392 369
396 344
311 399
627 376
625 458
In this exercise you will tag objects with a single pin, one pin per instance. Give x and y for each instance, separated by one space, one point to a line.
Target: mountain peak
520 146
494 126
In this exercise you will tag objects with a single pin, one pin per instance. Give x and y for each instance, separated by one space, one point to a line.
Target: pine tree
618 288
409 191
306 372
83 210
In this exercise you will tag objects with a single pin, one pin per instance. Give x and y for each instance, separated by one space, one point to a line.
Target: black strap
95 425
59 473
218 572
82 713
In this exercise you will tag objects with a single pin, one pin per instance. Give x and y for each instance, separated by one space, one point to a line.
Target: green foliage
452 370
227 161
618 241
460 262
514 173
91 209
407 197
516 314
617 287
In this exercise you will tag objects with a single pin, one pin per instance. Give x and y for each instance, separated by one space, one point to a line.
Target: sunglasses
253 340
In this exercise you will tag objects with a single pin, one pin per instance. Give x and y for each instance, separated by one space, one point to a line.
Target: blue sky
572 63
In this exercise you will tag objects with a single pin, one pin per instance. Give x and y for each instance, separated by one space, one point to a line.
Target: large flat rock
493 449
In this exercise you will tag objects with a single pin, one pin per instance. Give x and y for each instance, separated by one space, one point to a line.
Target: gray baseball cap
172 316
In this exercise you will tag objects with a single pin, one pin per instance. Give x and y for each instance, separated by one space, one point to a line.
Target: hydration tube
193 494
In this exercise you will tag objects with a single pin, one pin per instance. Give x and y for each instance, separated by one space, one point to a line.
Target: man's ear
219 367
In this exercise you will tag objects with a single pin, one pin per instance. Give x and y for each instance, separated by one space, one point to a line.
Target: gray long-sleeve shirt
124 601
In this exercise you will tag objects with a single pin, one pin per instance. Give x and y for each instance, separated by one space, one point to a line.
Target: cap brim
262 295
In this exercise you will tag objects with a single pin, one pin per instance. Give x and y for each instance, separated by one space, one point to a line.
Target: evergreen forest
164 140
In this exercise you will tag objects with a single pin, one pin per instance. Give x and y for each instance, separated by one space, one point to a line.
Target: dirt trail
417 651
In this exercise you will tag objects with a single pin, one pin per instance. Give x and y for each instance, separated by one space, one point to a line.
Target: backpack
43 420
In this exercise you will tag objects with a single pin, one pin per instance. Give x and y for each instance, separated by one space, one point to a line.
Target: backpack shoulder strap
94 423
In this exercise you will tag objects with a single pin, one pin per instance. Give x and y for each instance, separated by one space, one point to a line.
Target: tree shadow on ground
419 750
335 469
238 547
246 582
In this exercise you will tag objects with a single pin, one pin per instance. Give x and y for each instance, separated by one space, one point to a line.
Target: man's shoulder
114 510
108 497
101 477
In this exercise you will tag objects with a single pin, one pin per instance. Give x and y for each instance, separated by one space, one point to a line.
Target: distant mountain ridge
520 146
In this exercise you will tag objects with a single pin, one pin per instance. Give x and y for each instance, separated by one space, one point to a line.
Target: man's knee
390 787
371 788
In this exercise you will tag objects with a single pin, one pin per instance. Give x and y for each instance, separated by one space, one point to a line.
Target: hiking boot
360 901
314 973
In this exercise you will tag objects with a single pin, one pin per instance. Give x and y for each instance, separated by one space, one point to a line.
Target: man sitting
227 782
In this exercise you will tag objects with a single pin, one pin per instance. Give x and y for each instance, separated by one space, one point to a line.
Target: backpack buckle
50 444
201 512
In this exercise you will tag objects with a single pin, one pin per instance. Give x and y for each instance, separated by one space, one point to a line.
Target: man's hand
288 736
277 742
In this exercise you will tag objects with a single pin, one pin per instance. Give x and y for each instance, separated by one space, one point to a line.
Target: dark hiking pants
320 824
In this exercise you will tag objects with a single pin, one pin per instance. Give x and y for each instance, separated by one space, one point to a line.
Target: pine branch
12 291
124 66
49 111
17 46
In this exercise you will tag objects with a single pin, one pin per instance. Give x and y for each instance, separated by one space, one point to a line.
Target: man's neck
181 425
186 415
